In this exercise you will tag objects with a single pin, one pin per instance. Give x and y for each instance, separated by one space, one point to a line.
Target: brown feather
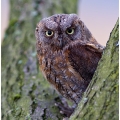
84 58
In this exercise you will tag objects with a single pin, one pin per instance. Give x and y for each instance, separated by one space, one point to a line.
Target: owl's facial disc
63 36
58 30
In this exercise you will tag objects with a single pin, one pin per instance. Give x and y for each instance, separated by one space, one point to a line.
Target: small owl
68 54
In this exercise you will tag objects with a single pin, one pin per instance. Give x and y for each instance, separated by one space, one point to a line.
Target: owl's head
60 30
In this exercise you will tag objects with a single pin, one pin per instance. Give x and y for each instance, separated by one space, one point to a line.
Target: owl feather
68 54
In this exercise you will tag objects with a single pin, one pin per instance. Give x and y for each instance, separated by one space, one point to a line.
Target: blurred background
23 85
99 16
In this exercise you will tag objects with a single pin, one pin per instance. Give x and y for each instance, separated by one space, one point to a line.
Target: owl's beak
60 39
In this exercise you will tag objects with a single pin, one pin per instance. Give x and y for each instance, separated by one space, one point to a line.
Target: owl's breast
58 71
53 64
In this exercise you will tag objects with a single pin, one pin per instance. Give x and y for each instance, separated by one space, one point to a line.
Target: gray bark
25 93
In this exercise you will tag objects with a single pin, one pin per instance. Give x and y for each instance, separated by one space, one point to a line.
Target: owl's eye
37 29
70 31
49 33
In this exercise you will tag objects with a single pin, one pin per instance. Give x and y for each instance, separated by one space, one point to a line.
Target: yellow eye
49 33
70 31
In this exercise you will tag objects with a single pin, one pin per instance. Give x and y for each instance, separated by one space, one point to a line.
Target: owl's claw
65 109
66 118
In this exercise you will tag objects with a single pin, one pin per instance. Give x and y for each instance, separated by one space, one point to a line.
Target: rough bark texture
101 99
26 95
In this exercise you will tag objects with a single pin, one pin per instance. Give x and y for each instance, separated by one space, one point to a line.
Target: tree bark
26 95
101 99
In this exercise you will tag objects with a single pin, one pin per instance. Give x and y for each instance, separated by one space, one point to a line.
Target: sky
100 17
4 16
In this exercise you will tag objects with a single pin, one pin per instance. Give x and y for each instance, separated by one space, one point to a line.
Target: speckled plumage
68 61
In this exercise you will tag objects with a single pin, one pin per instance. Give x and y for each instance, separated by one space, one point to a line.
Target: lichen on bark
25 93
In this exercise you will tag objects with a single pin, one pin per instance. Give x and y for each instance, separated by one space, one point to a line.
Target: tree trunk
101 99
25 93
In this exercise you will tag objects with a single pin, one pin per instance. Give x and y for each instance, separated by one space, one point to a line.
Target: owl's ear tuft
85 31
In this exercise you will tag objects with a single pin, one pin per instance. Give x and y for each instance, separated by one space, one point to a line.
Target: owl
68 54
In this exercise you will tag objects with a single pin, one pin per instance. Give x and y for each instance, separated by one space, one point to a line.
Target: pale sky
4 16
100 17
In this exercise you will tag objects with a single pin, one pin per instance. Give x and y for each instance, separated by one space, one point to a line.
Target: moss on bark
25 93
